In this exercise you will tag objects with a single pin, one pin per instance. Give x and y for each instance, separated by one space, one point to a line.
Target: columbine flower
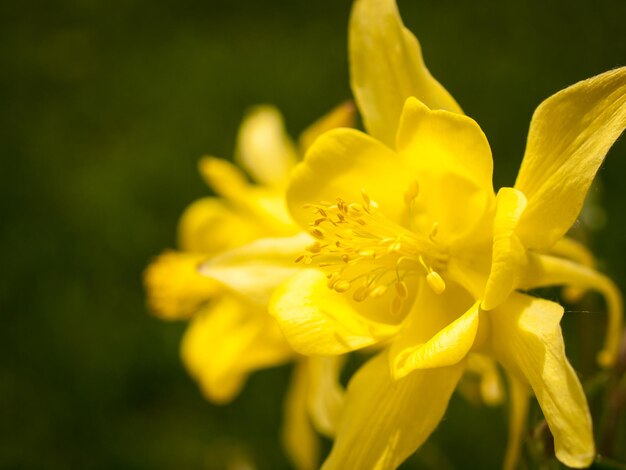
231 335
413 250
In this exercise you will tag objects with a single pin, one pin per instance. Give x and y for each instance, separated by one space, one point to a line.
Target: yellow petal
546 271
386 67
174 287
573 250
297 435
451 160
527 340
509 255
209 225
341 116
343 162
256 269
325 394
518 415
262 206
223 177
570 134
383 420
434 335
263 147
226 341
318 321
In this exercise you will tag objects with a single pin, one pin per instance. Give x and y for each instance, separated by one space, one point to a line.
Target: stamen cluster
366 253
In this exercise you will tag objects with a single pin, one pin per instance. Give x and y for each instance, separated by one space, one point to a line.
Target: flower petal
509 255
433 334
546 271
343 162
383 421
263 147
297 434
209 225
341 116
527 340
226 341
570 134
318 321
386 67
325 394
518 415
263 206
451 160
256 269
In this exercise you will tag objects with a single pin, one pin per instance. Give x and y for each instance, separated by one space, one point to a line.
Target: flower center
368 254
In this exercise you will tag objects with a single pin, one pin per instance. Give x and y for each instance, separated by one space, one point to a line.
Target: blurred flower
413 250
231 335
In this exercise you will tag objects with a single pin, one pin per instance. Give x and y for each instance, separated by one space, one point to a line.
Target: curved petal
263 147
527 340
509 255
546 271
298 436
174 287
386 67
518 415
383 421
343 115
451 161
573 250
340 164
570 134
447 347
256 269
325 394
318 321
434 335
226 341
209 226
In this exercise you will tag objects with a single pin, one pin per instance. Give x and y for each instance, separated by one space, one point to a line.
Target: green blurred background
106 107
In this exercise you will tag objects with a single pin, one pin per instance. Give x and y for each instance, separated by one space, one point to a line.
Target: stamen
435 282
341 285
402 289
368 253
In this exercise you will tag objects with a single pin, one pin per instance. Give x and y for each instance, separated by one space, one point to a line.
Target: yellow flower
231 335
414 252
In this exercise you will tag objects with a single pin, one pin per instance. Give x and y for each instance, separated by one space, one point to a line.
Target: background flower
107 106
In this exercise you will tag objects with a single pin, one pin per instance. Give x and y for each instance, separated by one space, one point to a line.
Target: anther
341 285
435 282
396 305
378 291
317 233
314 247
401 288
299 258
361 293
